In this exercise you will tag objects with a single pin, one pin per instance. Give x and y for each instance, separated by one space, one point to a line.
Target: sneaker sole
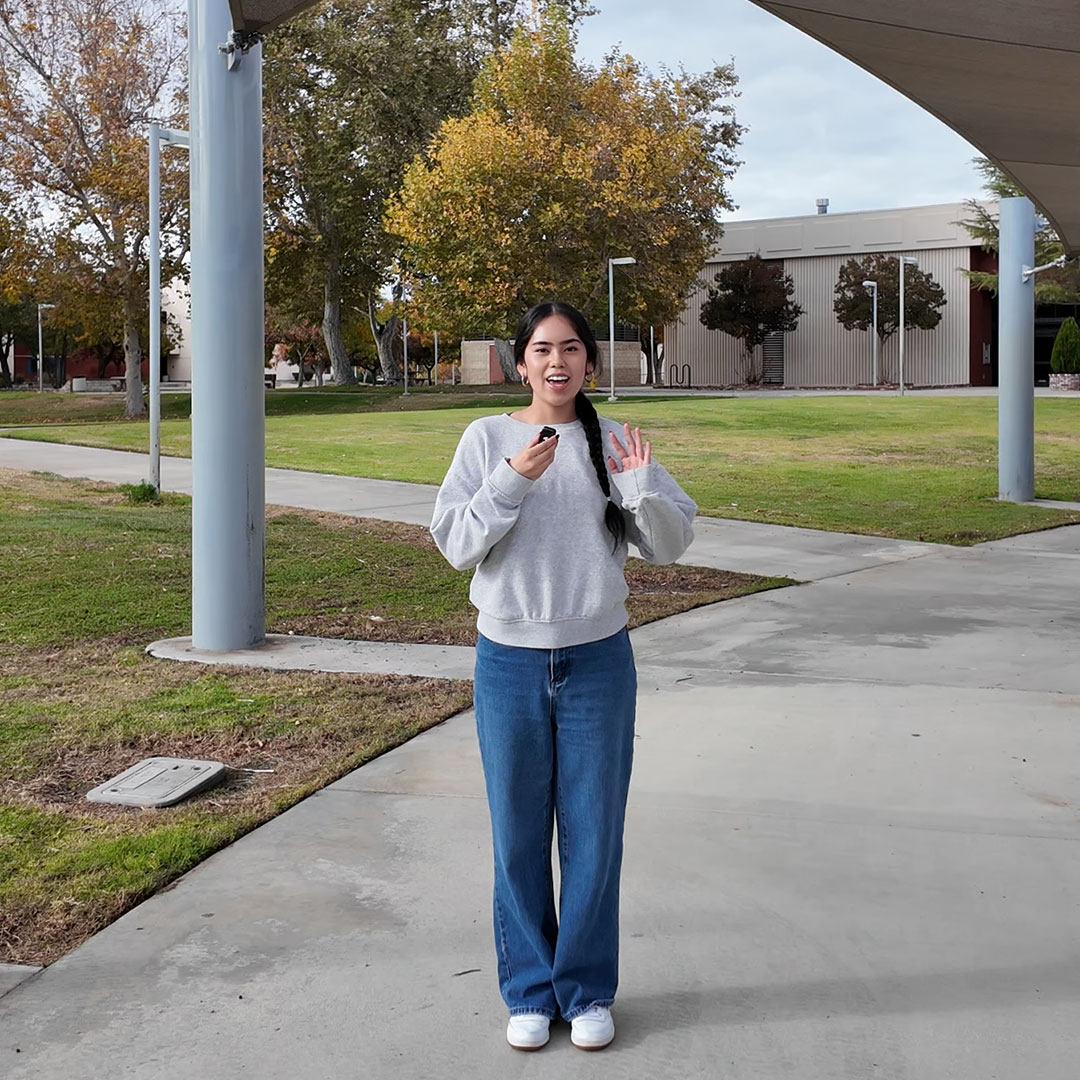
598 1046
527 1049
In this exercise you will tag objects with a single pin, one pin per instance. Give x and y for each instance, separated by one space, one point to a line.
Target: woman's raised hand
533 461
631 456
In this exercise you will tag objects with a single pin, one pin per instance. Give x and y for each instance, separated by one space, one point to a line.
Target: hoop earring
524 380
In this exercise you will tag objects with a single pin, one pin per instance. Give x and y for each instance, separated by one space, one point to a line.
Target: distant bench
80 385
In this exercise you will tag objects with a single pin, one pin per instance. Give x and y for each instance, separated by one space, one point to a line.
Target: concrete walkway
851 852
746 546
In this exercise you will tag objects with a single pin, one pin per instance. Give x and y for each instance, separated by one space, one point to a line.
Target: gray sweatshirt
546 575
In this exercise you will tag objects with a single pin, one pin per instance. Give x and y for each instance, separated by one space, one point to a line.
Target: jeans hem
604 1003
532 1010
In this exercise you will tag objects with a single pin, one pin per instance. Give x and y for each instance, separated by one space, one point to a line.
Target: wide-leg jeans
556 730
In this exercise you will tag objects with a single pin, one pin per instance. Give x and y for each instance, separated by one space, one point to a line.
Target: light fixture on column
627 260
872 286
905 260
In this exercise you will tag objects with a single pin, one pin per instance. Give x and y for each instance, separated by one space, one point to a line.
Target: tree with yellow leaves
558 167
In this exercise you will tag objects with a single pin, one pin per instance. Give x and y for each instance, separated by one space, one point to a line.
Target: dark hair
526 327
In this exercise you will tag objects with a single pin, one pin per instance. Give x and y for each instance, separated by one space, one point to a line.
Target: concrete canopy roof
258 16
1004 75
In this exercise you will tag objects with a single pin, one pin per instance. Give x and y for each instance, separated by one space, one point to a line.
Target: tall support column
227 400
1016 351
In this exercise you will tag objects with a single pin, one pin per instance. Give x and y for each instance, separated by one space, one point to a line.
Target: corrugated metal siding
821 352
713 359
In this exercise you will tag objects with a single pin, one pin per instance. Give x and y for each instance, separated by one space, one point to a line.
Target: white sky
819 127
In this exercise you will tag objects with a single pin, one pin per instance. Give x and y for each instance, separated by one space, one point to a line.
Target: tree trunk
752 376
6 342
385 334
59 375
133 402
505 352
340 366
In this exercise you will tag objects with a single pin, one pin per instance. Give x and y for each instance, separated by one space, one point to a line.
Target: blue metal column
1016 351
227 401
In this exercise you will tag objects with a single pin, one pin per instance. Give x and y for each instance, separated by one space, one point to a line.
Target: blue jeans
556 729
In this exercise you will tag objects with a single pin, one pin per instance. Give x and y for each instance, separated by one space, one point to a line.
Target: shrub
144 492
1066 355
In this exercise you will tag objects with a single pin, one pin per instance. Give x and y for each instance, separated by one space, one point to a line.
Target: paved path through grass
916 468
743 546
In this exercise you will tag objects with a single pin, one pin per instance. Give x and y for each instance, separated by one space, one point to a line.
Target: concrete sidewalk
851 852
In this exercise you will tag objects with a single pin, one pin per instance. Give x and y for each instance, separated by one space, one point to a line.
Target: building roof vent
823 206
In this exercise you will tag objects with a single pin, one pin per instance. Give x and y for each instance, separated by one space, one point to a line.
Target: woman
543 502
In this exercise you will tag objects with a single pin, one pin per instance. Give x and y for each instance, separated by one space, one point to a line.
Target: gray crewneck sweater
546 576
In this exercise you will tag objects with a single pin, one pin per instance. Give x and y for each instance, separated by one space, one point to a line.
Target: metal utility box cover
158 781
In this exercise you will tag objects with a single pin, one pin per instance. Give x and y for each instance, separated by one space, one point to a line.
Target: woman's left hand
631 456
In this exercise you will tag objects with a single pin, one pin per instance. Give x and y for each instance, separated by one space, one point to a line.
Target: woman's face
555 361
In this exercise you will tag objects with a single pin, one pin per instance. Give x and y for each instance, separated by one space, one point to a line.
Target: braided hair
613 518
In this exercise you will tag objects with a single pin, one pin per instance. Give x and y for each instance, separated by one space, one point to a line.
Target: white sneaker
593 1029
527 1031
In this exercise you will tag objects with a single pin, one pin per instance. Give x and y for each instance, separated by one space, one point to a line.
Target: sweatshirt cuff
635 484
509 483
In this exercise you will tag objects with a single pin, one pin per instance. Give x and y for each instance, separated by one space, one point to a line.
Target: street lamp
159 136
872 286
627 260
40 349
905 260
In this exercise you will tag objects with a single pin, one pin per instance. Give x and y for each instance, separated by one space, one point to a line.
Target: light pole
872 286
158 136
905 260
40 348
405 352
627 260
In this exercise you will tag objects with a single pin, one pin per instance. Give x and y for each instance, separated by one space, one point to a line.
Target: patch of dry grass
73 717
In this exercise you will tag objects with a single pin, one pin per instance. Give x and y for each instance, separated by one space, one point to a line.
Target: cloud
818 125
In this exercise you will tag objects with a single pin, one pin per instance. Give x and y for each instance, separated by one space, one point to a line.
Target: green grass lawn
912 468
18 408
88 579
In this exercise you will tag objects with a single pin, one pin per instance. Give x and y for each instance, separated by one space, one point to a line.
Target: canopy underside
1005 76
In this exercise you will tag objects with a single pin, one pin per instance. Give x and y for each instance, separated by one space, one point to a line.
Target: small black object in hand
546 432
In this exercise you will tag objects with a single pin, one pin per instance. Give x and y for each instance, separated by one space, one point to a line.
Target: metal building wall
821 352
695 356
